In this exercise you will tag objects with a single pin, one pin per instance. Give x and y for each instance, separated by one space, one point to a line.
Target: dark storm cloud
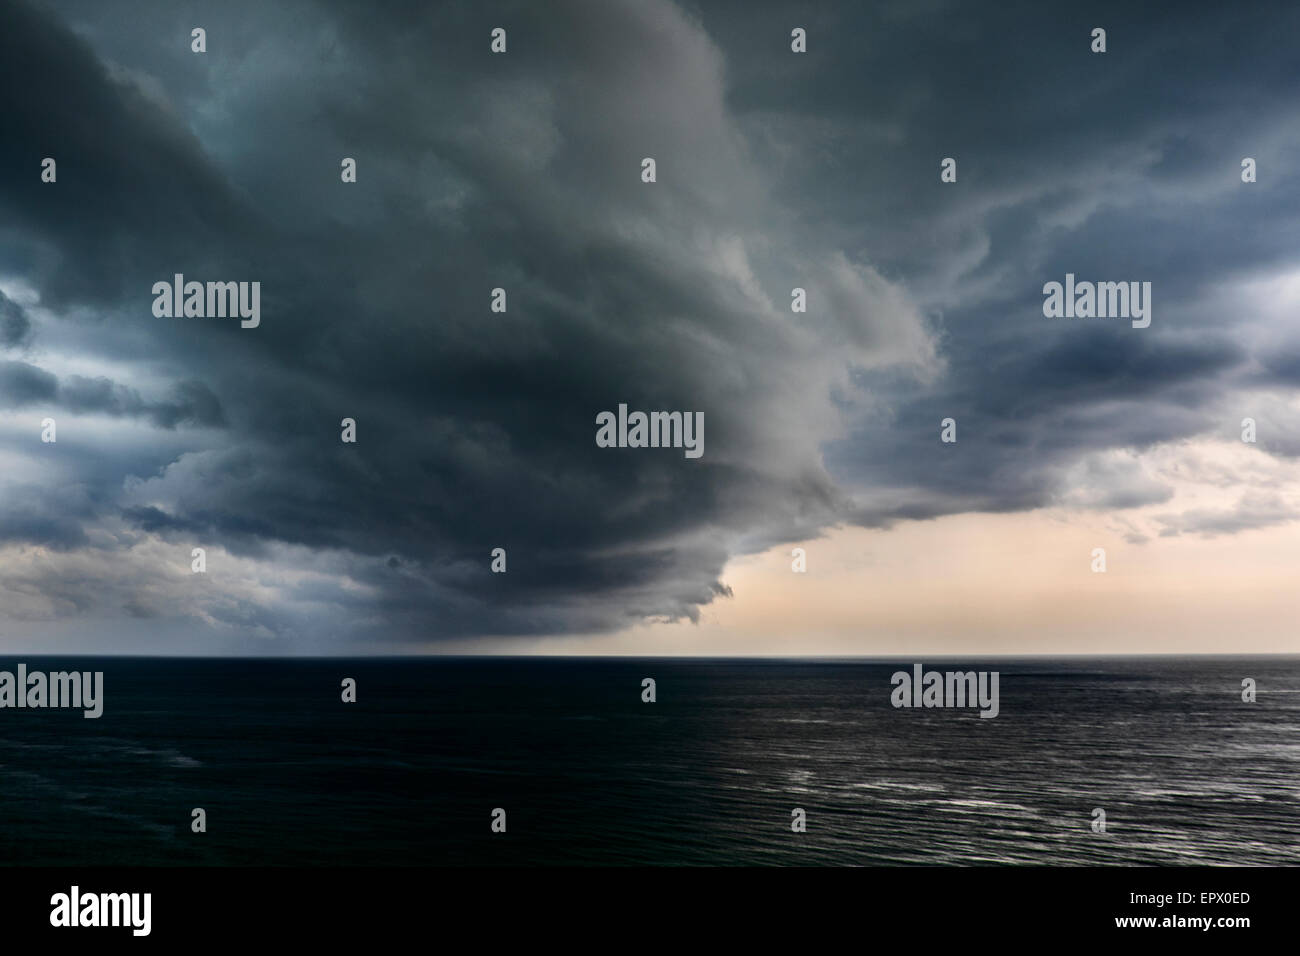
15 327
1116 166
52 518
475 429
22 384
135 193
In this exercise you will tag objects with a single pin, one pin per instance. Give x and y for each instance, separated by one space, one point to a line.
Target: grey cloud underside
476 430
26 385
1251 511
15 326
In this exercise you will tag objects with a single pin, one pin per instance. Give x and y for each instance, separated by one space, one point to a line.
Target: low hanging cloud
1252 511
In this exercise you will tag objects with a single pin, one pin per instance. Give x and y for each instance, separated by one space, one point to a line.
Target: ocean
709 774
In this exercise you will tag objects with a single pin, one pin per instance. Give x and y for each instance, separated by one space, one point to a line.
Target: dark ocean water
588 774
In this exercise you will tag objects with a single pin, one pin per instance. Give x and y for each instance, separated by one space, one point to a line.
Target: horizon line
860 658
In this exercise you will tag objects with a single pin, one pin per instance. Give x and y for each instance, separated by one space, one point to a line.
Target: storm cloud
522 171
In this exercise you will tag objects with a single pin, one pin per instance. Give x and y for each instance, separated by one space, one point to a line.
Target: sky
475 429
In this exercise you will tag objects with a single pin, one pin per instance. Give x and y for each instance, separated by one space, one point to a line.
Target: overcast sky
475 429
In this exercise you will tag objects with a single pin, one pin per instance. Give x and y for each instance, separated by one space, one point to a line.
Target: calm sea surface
588 774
